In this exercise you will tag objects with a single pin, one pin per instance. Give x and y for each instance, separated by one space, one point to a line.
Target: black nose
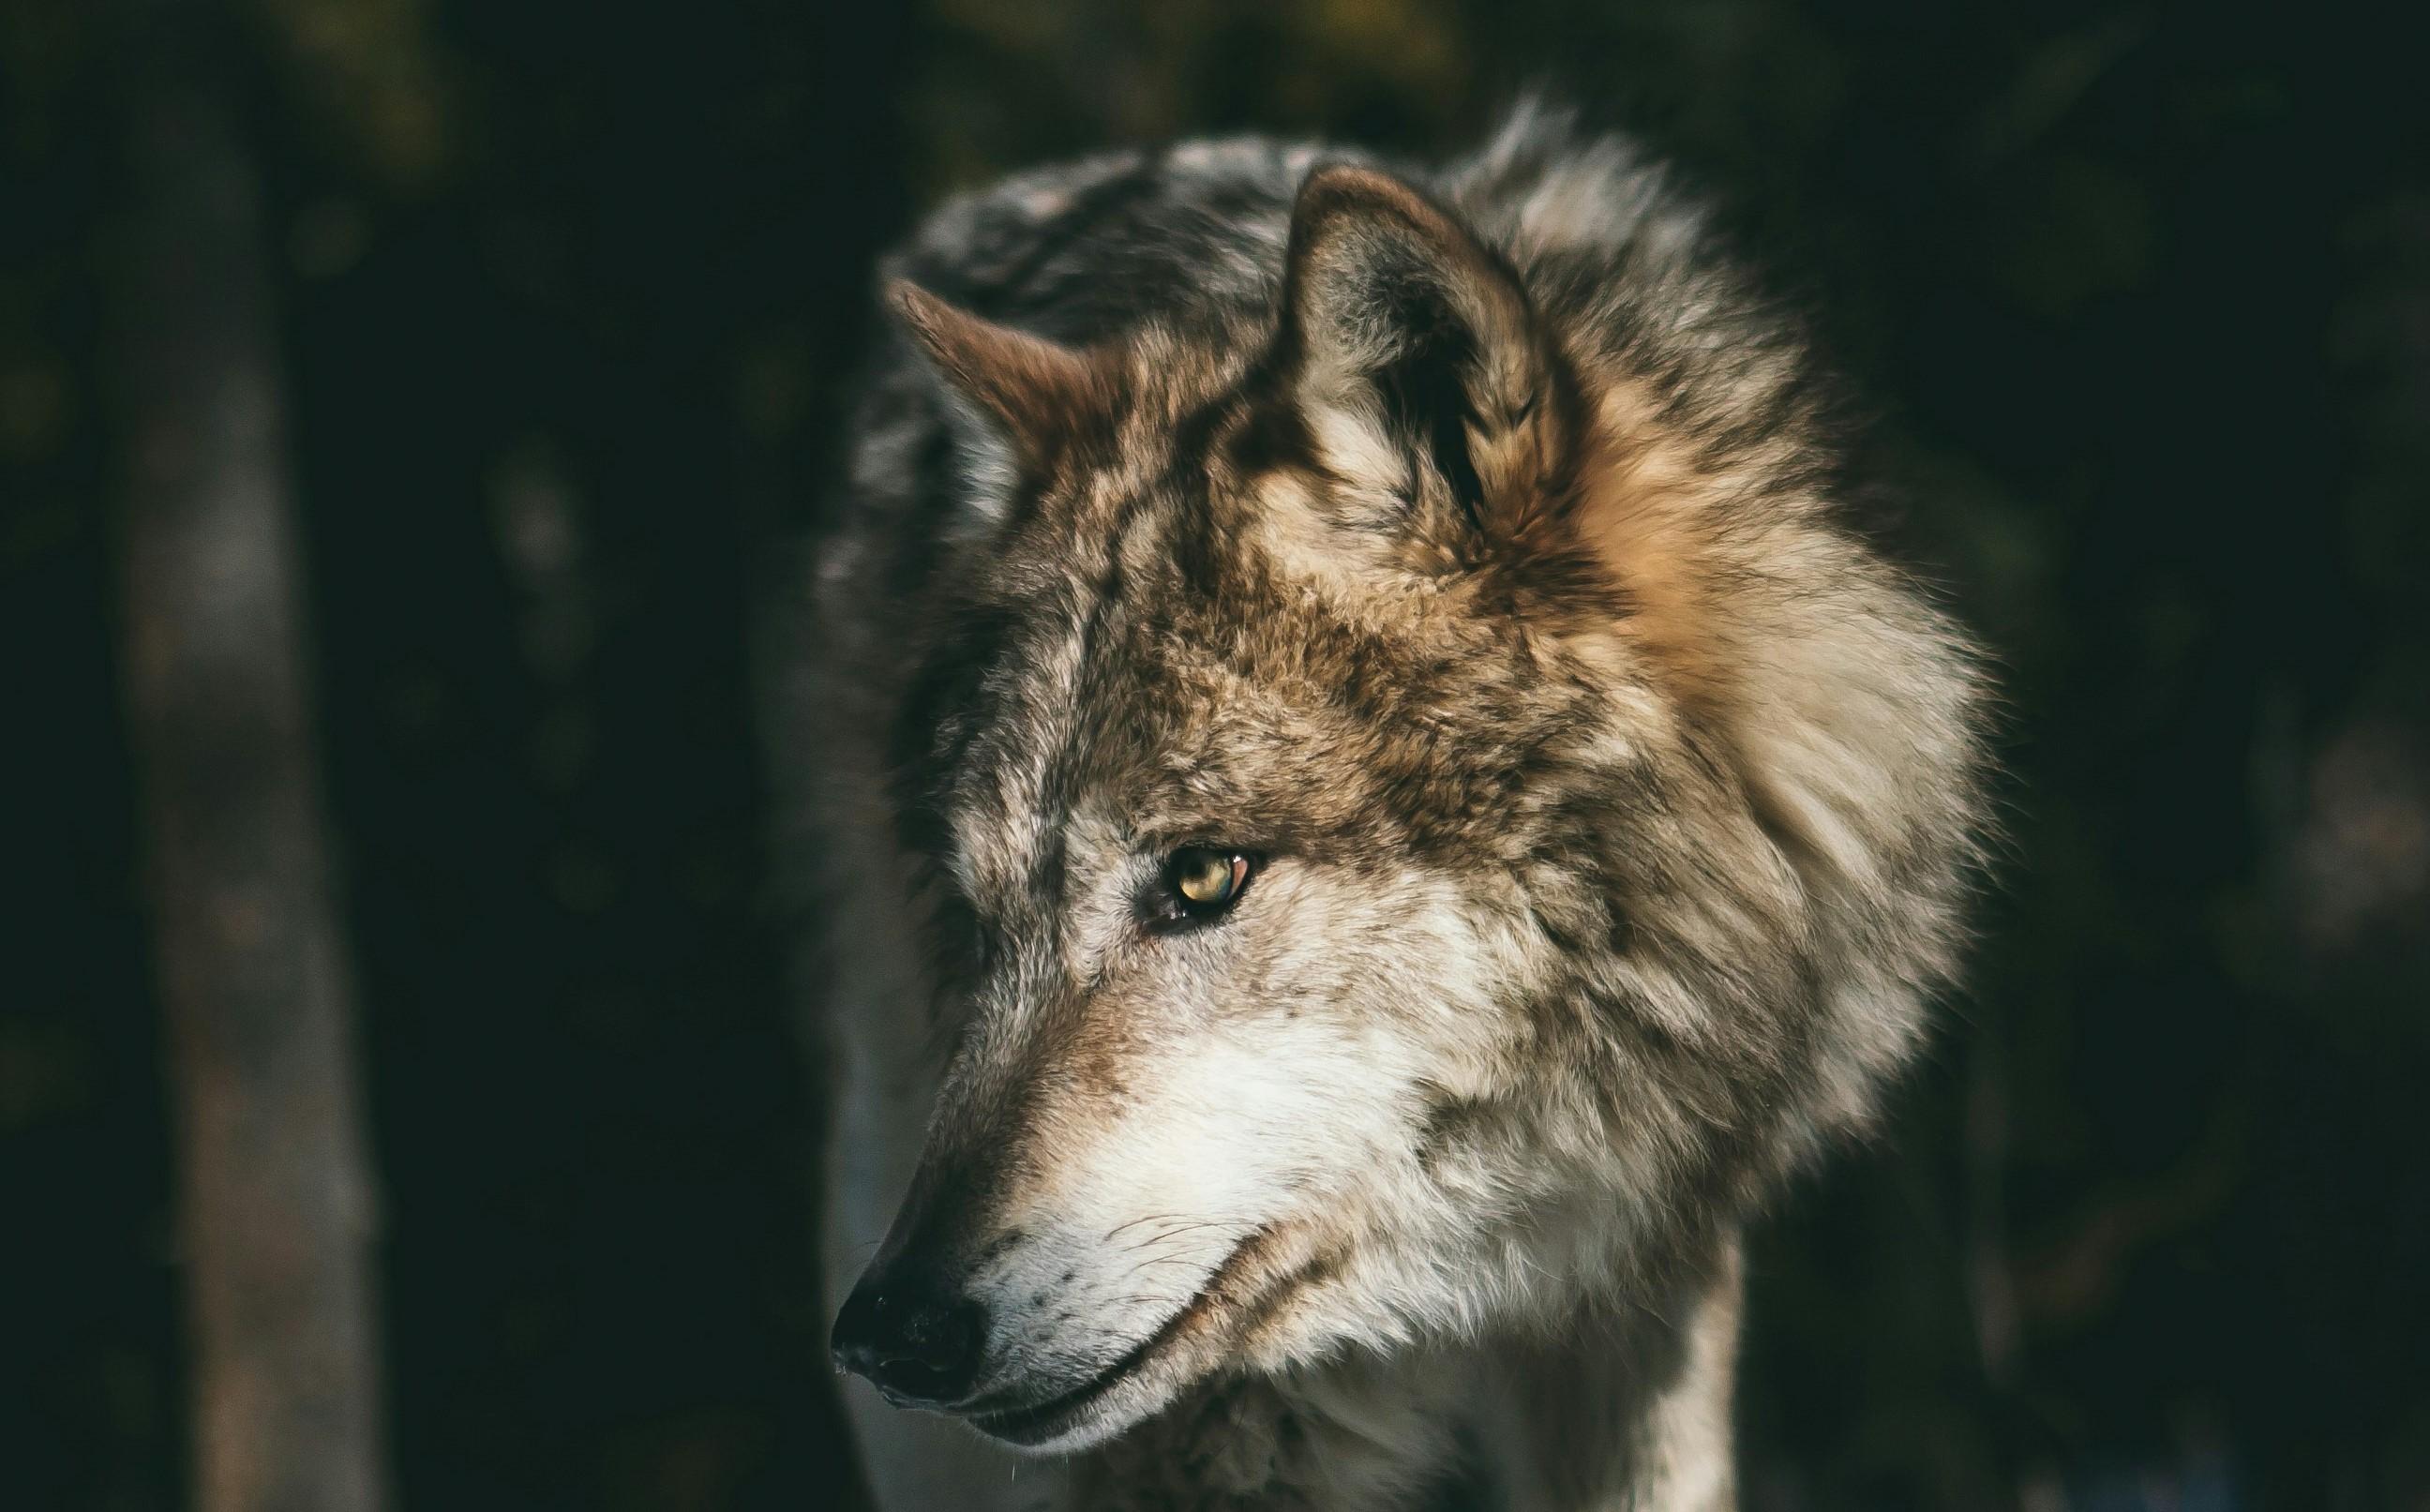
917 1343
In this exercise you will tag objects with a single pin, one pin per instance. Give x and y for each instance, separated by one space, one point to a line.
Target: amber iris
1207 878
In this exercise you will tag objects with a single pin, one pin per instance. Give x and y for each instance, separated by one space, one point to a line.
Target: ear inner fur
1404 334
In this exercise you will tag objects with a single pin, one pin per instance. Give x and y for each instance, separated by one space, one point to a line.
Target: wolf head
1430 817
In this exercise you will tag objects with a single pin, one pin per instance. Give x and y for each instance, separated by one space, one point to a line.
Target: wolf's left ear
1032 393
1412 347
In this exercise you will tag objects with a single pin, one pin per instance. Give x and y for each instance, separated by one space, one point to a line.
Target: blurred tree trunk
277 1212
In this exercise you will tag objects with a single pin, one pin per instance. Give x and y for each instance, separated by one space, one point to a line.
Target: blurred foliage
366 71
571 295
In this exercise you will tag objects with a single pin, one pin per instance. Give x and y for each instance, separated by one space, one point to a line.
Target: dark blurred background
551 308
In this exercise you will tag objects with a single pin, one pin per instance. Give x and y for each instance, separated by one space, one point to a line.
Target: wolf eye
1201 882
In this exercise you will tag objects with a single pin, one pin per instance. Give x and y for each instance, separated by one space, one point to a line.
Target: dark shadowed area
519 330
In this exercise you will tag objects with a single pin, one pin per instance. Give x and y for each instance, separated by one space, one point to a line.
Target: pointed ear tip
1354 188
1349 174
1335 181
913 302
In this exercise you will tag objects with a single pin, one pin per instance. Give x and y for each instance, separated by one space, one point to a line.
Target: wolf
1369 809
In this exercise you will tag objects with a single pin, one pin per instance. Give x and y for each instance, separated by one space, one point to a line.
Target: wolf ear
1032 391
1408 345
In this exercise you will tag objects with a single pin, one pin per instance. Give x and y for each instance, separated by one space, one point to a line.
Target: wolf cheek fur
1453 555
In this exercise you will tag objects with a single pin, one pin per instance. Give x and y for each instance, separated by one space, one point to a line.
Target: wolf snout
916 1339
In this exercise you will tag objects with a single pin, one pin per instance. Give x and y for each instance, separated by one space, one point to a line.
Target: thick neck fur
1603 1414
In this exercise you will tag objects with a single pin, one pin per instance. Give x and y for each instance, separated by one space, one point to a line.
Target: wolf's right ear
1032 391
1416 356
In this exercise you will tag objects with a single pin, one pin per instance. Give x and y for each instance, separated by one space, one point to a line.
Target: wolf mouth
1053 1418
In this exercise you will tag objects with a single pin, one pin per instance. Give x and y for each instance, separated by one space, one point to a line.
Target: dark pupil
1206 876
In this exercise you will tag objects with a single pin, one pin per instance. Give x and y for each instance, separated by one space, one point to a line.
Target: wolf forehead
1131 651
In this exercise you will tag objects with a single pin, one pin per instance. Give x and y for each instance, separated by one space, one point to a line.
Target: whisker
1151 1217
1179 1231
